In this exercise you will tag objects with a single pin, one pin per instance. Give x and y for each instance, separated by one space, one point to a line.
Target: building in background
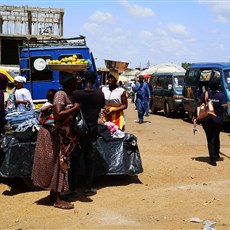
19 25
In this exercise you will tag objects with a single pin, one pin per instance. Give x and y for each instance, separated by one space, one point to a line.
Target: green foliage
185 65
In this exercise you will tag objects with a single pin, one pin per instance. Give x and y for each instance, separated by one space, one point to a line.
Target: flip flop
65 205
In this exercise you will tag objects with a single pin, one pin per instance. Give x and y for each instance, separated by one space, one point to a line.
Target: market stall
116 154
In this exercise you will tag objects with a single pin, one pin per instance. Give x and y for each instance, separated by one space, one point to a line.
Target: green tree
185 65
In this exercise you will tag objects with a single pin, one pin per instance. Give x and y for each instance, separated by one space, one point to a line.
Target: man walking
143 95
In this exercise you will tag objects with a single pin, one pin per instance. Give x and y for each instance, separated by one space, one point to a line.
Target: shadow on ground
17 185
205 159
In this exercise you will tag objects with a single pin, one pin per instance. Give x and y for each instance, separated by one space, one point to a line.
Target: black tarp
117 156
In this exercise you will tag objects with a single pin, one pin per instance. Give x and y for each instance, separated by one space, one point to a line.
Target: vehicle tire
28 182
190 116
153 110
167 110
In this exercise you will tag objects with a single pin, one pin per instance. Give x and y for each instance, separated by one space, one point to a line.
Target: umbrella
147 76
148 71
123 78
133 72
130 74
163 68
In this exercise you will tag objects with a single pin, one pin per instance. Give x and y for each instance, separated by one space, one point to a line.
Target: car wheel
153 110
167 110
190 116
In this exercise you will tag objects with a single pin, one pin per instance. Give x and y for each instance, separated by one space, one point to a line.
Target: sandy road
177 184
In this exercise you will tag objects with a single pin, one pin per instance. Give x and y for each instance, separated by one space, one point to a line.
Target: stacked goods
70 64
72 60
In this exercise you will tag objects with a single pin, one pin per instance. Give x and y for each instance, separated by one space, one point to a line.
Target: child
46 116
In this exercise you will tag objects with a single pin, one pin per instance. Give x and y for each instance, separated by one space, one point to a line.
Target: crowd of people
58 147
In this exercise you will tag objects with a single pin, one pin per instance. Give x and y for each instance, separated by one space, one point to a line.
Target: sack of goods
205 110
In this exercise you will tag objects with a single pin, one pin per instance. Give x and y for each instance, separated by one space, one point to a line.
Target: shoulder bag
205 110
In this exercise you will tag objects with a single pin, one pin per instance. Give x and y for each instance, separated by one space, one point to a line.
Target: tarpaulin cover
118 156
121 155
17 159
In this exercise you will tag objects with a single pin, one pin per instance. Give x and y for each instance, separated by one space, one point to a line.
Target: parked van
167 92
34 59
196 81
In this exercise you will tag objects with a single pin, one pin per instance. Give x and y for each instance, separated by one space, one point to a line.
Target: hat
65 77
20 79
115 74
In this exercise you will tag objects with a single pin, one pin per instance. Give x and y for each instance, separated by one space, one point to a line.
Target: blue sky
147 31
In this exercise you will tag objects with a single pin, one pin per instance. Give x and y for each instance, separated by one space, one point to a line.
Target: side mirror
169 86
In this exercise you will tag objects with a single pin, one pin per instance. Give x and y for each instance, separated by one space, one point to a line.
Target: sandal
64 205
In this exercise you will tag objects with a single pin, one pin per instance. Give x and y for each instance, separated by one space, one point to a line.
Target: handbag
80 126
205 110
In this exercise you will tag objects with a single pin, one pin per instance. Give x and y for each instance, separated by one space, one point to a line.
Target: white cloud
220 9
137 10
101 17
90 27
177 29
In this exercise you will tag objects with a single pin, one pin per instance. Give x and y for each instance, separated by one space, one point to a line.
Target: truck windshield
12 74
227 78
178 81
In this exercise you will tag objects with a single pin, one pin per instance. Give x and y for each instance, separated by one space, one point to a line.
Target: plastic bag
80 126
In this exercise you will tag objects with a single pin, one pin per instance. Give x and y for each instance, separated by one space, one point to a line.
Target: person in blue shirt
143 96
213 124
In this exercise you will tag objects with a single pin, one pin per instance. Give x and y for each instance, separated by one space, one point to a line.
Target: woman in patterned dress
54 146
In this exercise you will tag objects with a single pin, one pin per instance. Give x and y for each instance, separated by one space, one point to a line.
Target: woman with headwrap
3 85
23 97
115 101
53 148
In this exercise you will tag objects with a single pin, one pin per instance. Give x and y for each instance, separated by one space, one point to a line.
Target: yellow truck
10 72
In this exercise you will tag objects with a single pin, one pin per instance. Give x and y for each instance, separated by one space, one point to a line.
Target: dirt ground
176 186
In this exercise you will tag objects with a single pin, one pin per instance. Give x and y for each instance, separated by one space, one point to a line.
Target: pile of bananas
72 60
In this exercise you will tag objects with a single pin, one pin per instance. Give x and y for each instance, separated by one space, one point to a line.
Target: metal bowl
117 65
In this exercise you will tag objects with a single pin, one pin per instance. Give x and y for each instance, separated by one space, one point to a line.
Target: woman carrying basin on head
115 101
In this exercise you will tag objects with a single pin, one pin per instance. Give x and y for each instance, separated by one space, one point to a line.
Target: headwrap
114 73
20 79
65 77
3 81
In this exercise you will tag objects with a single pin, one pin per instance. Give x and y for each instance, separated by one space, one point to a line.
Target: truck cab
34 59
